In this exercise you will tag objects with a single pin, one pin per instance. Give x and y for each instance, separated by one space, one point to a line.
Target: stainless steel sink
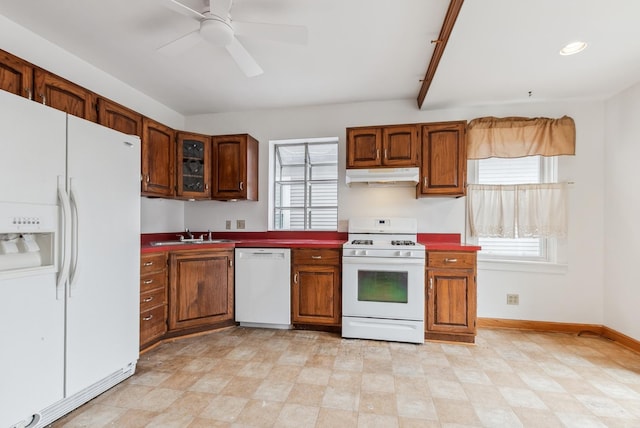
190 242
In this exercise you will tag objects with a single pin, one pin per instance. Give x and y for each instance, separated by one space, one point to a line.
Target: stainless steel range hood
383 176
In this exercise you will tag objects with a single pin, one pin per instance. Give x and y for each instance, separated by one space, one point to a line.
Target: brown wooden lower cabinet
450 296
315 287
200 288
153 297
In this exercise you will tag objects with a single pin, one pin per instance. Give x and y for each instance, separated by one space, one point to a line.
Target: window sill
523 266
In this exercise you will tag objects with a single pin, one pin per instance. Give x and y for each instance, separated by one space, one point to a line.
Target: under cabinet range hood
383 176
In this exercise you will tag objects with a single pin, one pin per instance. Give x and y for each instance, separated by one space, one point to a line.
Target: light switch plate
239 224
227 224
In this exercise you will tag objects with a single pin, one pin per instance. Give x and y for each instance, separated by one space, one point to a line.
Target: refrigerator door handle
74 238
63 272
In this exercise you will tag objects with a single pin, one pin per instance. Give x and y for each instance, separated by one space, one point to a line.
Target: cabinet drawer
315 256
153 280
451 259
153 262
152 299
152 324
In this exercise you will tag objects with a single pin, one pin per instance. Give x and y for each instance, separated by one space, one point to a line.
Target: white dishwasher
263 287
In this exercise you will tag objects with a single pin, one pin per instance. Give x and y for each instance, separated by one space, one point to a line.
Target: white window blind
306 186
530 169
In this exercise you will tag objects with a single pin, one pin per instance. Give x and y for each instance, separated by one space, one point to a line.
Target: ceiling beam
441 43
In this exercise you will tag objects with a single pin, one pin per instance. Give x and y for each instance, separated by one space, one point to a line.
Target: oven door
387 288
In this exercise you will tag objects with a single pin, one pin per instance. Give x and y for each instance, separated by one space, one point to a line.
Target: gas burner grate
403 243
362 242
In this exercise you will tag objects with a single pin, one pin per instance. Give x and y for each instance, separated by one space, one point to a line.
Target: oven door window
381 286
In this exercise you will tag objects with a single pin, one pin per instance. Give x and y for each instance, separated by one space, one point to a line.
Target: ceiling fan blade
296 34
181 44
245 61
220 8
183 9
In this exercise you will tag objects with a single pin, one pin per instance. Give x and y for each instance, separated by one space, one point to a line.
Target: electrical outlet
239 224
513 299
227 224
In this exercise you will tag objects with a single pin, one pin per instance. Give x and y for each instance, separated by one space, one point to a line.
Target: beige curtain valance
515 137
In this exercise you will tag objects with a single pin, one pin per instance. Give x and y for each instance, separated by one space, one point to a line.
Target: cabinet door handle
424 181
147 178
147 264
316 257
147 299
147 318
430 284
230 263
147 281
242 185
295 278
450 260
206 187
29 93
378 154
44 98
385 154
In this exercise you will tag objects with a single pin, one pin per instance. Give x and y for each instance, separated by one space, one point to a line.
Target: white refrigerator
69 260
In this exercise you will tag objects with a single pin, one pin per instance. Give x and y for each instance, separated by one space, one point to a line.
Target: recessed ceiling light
573 48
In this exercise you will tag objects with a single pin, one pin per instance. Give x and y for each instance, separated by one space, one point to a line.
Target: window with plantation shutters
306 186
524 170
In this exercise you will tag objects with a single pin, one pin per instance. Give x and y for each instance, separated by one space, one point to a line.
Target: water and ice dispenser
27 236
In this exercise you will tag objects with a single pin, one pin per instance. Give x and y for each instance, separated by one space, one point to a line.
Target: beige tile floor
245 377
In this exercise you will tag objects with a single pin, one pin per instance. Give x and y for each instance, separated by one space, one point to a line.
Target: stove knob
398 253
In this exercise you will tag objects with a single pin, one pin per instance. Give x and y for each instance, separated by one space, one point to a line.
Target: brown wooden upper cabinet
114 116
193 162
444 159
61 94
386 146
158 159
16 75
235 167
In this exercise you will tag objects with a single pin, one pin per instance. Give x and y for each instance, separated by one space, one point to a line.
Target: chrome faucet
189 234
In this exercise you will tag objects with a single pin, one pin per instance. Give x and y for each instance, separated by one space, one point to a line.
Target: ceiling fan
217 28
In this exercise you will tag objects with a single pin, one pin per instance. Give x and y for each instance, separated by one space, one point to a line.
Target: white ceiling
358 50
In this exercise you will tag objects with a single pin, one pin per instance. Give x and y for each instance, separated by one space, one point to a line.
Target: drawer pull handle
450 260
148 264
147 318
316 257
147 281
147 299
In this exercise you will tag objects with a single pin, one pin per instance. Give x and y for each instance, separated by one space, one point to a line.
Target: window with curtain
501 171
515 208
305 185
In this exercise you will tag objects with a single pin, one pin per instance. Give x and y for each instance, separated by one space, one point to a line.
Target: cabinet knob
147 318
147 264
147 281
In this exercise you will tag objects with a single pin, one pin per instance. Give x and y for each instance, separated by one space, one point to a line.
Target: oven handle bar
383 260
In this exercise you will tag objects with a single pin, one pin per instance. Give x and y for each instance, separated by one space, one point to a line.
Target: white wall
31 47
622 213
573 295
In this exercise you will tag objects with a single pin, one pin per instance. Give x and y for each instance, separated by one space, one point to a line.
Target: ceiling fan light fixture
573 48
216 31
